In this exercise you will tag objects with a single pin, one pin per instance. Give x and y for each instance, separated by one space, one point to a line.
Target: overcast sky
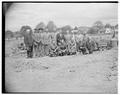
74 14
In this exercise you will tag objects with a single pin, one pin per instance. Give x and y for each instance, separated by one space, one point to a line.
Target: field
91 73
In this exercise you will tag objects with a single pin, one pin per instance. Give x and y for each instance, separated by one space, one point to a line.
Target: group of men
61 45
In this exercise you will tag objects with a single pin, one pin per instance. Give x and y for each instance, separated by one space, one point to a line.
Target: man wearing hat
28 40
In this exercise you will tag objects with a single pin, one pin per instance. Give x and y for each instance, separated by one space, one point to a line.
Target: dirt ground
92 73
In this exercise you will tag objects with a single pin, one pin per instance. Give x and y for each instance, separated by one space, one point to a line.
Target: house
105 31
108 30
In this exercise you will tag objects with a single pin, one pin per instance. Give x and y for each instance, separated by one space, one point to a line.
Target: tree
116 26
76 28
108 25
51 26
98 24
9 34
40 27
83 29
92 30
66 28
17 34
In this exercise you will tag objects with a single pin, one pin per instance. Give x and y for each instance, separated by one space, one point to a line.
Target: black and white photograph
60 47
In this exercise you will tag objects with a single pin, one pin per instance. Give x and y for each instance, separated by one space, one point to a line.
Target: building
108 30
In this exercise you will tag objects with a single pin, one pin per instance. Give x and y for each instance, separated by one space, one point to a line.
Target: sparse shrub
9 34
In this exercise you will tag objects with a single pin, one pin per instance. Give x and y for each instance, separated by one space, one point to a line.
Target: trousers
30 51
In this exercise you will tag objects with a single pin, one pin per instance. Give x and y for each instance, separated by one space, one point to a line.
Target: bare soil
92 73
